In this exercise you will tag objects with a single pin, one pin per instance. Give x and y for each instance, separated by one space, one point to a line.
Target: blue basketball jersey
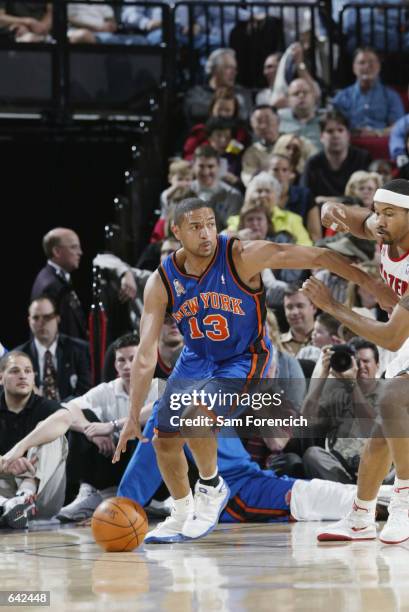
217 314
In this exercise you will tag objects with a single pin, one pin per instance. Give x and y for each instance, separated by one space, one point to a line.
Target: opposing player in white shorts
389 226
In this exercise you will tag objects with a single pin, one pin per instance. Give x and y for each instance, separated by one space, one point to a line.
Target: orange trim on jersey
252 510
165 279
267 353
235 515
198 278
396 258
236 277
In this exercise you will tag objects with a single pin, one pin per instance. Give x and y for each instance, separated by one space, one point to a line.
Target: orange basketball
119 524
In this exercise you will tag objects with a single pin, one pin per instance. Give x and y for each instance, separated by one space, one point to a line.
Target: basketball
119 524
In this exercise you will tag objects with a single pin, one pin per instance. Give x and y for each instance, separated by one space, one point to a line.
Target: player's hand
384 295
16 467
318 293
130 431
333 216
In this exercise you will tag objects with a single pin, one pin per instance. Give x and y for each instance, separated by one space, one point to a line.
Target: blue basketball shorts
215 385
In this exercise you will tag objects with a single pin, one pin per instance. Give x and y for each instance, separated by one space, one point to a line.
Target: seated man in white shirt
98 416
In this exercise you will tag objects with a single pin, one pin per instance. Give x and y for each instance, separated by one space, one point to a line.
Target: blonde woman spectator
297 149
362 185
266 190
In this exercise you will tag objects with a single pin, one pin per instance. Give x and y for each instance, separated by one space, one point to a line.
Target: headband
385 196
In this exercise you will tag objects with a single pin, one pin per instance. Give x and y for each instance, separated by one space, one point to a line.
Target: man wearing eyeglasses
61 363
62 248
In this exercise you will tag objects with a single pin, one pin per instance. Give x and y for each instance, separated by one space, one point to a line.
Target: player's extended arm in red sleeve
390 335
254 256
144 362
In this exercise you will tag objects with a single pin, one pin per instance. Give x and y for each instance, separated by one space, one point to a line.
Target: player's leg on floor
359 522
211 491
394 412
173 466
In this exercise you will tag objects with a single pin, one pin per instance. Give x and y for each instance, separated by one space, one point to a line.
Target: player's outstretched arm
144 362
390 335
254 256
356 220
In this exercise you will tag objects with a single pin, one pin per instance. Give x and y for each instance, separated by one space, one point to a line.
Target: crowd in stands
265 163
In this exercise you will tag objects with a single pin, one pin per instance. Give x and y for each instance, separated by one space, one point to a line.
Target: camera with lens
341 359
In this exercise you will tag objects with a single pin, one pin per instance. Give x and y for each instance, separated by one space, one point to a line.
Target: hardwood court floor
236 568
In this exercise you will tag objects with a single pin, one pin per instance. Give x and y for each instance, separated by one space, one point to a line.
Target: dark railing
253 30
385 27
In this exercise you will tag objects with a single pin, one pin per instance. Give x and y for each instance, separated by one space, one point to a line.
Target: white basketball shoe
359 524
209 504
396 529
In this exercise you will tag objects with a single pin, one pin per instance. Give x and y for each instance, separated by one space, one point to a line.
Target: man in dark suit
63 251
61 363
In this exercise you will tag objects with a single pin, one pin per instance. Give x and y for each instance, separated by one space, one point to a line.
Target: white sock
28 488
364 504
400 483
209 477
321 500
184 505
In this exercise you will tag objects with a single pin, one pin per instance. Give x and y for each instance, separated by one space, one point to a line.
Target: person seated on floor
253 491
33 448
98 417
62 364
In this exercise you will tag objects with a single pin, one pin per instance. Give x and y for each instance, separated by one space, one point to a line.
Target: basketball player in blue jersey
213 289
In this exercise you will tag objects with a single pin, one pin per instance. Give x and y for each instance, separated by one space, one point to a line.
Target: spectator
63 251
358 250
300 314
362 185
264 190
327 173
224 105
351 395
301 116
297 149
219 133
295 198
398 142
264 124
91 23
269 96
324 333
370 106
61 364
30 22
99 416
221 67
180 175
382 167
208 186
33 448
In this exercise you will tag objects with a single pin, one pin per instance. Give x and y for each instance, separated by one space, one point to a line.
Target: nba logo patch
179 288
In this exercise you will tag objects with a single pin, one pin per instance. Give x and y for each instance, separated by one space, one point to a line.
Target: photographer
342 400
